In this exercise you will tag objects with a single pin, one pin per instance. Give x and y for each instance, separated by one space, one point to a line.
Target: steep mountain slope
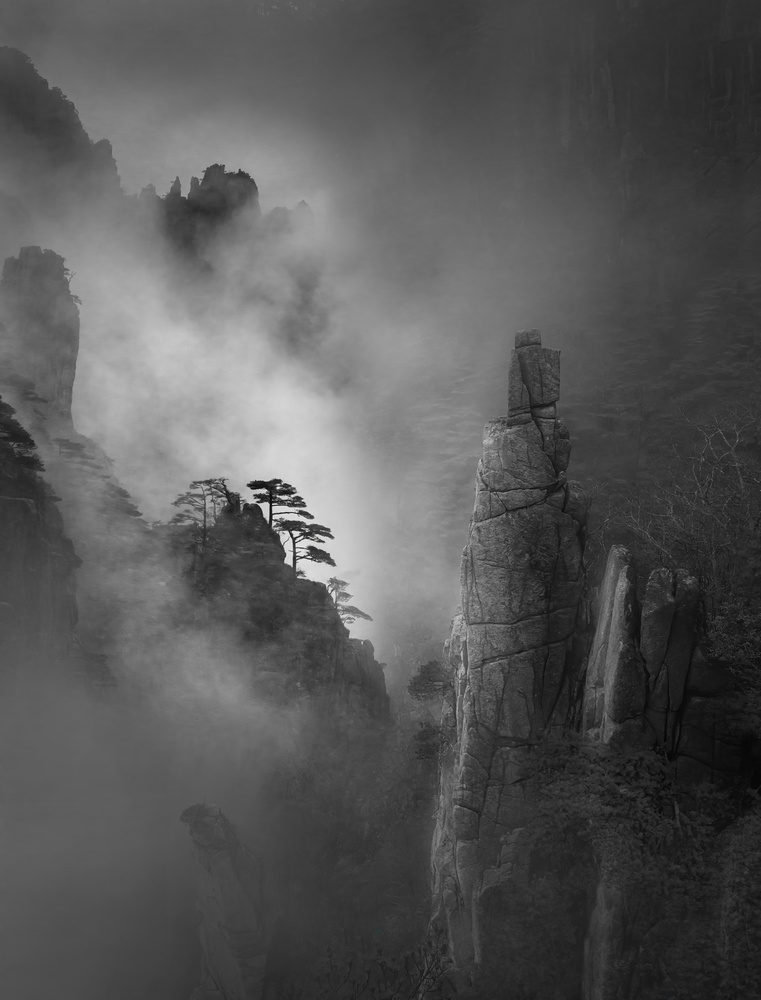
50 165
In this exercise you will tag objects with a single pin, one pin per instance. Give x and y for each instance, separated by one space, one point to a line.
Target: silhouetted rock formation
234 923
512 644
49 161
211 202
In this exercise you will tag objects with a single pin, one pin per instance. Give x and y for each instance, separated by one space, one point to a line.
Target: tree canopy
705 513
200 506
430 680
302 534
279 497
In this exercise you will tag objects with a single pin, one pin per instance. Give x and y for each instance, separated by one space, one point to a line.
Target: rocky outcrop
234 925
512 647
222 192
211 202
651 682
40 335
49 161
303 651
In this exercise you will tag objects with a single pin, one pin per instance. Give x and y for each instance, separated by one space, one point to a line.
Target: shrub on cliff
430 680
18 451
422 972
611 825
703 512
348 613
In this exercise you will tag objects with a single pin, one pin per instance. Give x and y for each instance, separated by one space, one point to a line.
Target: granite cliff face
544 671
41 329
512 648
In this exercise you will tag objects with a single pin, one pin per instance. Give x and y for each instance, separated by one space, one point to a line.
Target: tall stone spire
511 649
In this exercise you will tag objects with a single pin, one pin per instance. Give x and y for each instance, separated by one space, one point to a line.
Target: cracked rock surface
511 645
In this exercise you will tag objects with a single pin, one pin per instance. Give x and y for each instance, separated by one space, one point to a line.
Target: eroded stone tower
512 648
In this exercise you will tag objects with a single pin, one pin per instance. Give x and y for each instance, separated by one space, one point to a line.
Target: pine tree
341 597
200 506
279 497
301 535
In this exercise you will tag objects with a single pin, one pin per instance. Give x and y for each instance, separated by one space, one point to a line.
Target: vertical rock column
39 336
511 646
640 656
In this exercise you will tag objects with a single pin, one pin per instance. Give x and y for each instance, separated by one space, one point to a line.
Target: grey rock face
510 648
233 927
644 663
650 683
41 336
615 691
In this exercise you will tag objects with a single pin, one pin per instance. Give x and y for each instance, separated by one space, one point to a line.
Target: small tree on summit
200 506
301 534
278 496
341 596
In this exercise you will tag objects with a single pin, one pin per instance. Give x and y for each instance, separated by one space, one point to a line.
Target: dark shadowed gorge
248 341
